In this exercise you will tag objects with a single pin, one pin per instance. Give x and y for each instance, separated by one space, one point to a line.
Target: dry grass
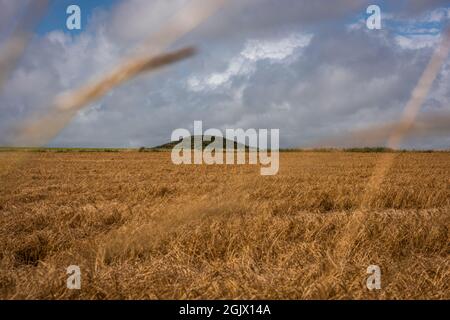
141 227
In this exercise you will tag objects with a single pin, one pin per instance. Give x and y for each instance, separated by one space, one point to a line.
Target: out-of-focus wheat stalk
12 49
42 128
377 135
36 132
185 20
346 244
409 116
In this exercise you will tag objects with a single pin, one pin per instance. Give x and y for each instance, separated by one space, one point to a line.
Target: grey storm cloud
294 65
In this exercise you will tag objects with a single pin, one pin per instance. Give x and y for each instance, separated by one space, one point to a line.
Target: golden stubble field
141 227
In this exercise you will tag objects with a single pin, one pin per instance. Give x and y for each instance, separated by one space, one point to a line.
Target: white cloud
417 41
237 66
274 51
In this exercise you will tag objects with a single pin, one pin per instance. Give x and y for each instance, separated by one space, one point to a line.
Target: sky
55 16
309 68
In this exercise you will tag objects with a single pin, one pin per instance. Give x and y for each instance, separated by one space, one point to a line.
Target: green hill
170 145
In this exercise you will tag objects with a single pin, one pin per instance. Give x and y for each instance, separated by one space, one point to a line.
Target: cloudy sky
310 68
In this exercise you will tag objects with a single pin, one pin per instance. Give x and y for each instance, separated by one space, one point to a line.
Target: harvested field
141 227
